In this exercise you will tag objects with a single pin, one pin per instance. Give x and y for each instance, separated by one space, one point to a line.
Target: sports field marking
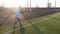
29 24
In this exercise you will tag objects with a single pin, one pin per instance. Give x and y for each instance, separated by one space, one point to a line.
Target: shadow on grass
30 21
0 30
54 18
22 31
38 30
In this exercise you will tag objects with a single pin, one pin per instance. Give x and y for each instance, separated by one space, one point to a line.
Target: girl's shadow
22 30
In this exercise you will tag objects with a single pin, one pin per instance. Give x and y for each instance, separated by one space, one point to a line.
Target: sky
23 3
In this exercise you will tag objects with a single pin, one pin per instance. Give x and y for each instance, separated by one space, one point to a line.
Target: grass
47 26
2 13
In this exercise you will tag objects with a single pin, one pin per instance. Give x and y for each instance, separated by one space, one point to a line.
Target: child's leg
21 24
14 26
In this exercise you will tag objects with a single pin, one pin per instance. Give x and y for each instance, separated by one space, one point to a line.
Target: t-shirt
17 13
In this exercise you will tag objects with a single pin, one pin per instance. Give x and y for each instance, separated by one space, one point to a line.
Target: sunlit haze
23 3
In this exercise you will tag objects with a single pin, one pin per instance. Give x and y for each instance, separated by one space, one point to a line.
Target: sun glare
34 3
14 3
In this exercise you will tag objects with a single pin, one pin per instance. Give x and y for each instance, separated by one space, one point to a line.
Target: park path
10 20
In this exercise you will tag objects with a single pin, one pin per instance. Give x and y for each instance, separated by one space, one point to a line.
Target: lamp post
48 3
27 3
30 6
55 3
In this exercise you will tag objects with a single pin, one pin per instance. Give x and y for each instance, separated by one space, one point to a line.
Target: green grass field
49 24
